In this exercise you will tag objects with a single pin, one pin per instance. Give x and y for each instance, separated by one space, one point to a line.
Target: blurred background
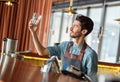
57 17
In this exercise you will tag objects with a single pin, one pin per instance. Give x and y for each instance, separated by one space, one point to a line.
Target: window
92 39
82 11
67 22
111 35
108 45
55 28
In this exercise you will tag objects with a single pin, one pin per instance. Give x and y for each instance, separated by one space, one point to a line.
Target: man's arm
39 47
92 66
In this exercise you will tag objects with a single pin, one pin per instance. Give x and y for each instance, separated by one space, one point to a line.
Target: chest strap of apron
78 57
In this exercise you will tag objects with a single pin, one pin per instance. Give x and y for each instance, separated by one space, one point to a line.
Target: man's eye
75 25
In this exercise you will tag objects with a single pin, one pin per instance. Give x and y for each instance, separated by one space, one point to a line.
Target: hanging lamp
9 2
70 11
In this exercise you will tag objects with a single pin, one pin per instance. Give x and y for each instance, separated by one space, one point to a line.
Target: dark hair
86 23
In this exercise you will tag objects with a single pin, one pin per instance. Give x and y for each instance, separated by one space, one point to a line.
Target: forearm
33 27
40 49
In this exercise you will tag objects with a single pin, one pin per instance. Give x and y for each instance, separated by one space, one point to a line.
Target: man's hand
34 22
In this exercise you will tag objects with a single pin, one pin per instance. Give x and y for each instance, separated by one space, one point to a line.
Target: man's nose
71 28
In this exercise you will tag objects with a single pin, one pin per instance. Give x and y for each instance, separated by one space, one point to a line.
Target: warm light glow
70 14
37 58
8 3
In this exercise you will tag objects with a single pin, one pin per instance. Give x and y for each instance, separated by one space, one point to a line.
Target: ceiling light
70 11
9 2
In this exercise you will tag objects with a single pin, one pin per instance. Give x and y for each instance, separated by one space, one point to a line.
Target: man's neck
79 41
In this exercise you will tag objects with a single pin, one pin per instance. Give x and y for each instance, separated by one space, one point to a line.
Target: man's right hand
32 27
34 22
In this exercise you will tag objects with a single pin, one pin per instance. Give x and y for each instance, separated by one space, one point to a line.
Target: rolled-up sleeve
58 50
54 51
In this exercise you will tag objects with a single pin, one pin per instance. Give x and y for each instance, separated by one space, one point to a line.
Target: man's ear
84 31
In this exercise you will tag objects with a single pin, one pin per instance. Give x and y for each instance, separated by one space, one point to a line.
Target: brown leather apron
72 59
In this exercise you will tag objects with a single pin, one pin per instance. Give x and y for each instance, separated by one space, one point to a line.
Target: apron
72 59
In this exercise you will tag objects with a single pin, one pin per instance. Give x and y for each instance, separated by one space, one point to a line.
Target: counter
15 70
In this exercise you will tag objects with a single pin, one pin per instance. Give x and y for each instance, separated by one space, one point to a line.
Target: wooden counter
103 67
14 70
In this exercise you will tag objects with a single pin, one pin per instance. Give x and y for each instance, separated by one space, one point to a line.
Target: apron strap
82 50
78 57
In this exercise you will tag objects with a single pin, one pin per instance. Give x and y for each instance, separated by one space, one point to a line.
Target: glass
35 18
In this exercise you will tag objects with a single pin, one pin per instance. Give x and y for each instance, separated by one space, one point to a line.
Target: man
77 52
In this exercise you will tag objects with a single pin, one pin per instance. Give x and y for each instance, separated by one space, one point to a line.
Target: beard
76 35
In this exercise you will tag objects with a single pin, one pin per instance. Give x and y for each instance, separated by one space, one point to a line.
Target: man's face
75 29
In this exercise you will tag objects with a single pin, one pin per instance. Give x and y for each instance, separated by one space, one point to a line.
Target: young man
77 52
